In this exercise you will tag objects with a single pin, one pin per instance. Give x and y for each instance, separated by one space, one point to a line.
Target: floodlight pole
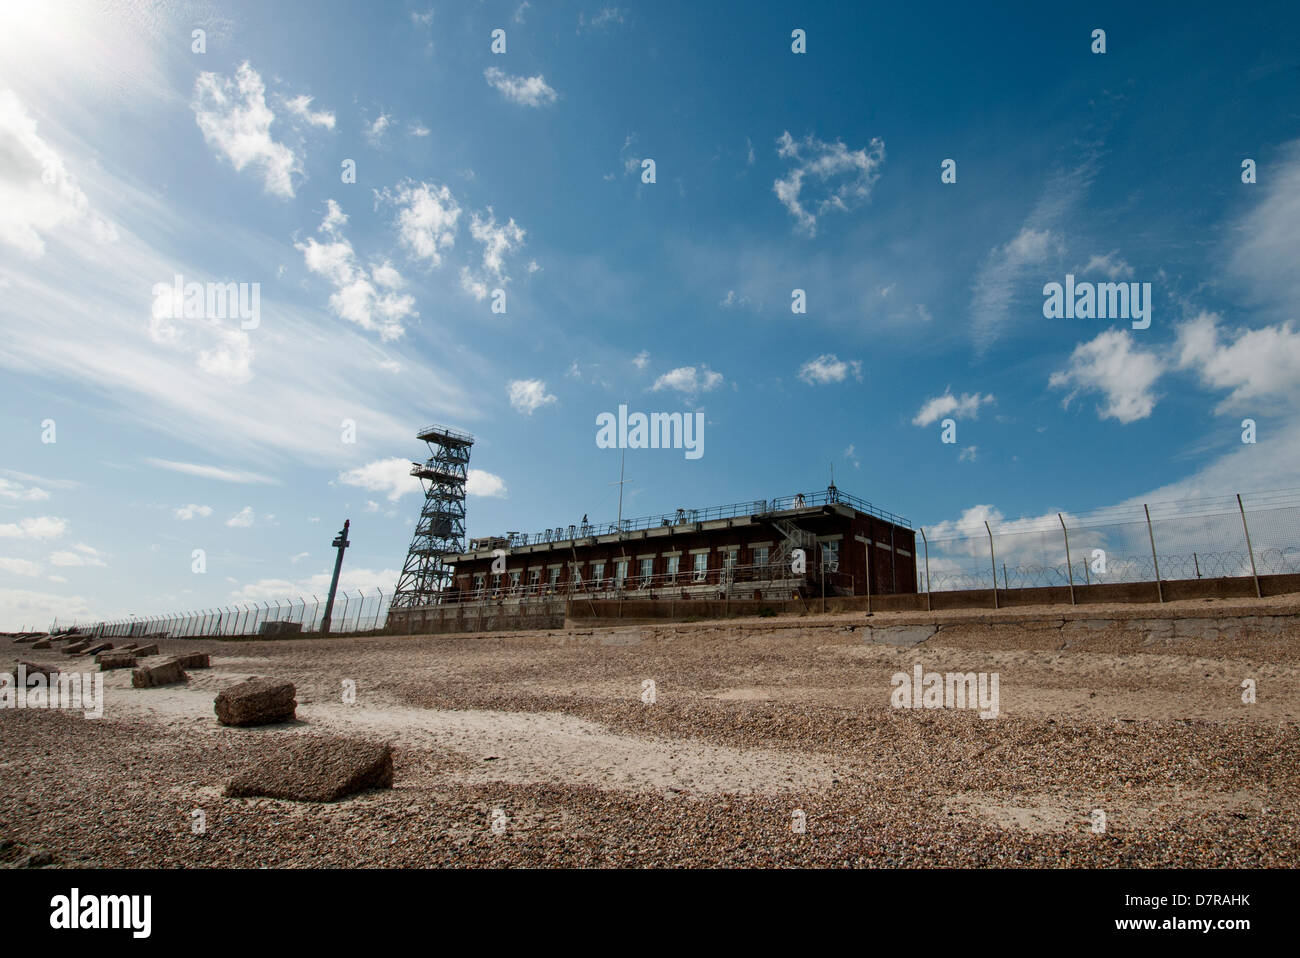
340 543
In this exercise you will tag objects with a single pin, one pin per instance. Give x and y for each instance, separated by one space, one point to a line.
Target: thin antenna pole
621 482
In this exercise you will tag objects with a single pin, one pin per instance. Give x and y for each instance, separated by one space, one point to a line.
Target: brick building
744 550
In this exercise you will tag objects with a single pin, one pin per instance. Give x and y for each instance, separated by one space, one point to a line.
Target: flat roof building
744 550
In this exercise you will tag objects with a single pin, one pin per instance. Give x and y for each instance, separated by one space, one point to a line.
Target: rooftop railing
752 507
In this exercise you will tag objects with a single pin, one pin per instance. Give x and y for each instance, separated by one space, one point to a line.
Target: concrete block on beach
117 659
148 677
100 647
41 644
76 648
144 650
315 770
192 660
49 671
257 702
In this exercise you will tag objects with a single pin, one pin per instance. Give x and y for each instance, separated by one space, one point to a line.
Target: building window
478 585
597 573
831 555
760 555
620 573
701 566
555 578
673 562
514 581
647 570
534 579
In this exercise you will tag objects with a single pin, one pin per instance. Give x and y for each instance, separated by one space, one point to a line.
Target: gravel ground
537 750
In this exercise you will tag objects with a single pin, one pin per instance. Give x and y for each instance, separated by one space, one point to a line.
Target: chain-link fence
1191 539
352 612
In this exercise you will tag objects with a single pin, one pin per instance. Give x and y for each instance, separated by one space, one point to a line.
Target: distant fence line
353 612
1228 536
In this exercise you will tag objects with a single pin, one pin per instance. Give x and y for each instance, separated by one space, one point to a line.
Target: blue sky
127 158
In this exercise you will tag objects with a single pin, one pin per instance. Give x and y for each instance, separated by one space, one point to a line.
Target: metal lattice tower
441 528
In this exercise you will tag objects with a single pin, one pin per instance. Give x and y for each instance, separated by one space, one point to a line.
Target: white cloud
827 368
1263 246
12 490
967 406
689 380
525 91
80 555
236 123
211 472
497 241
20 567
369 581
23 607
1258 365
733 299
242 519
391 476
38 527
417 129
1110 364
1008 269
485 485
188 512
968 454
641 360
1111 265
519 13
365 297
845 177
300 106
601 20
427 217
375 131
528 395
37 193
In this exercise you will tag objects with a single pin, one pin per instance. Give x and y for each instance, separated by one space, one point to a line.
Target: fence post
1155 560
929 607
1249 548
866 548
1197 564
993 563
1068 569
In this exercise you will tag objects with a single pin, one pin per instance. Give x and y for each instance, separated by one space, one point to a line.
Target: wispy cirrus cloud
211 472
